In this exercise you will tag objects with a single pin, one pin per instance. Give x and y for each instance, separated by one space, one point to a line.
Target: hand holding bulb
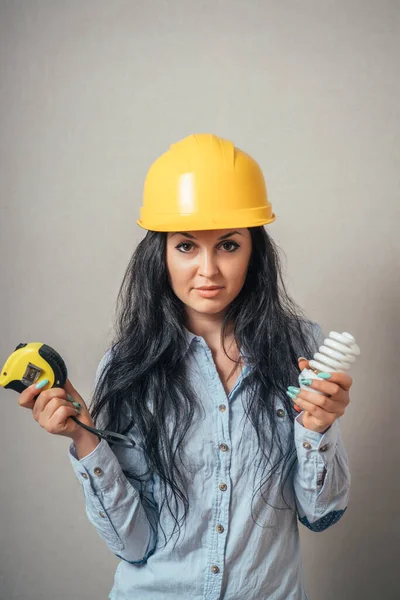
324 386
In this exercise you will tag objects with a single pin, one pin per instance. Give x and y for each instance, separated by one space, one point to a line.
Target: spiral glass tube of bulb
338 352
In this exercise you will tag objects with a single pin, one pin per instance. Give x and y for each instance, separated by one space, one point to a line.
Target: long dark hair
144 386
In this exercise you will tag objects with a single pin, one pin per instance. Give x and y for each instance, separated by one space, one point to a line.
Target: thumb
303 363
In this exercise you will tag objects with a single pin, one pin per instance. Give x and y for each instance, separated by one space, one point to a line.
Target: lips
208 291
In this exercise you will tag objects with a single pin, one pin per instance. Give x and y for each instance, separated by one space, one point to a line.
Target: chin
208 307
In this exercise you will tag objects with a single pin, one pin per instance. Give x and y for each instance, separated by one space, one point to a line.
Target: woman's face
207 269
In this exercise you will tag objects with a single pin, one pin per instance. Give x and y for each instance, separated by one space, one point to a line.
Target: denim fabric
233 546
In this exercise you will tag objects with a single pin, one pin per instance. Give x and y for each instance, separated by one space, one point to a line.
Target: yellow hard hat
204 182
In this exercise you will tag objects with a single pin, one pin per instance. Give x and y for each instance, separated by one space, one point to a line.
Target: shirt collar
191 339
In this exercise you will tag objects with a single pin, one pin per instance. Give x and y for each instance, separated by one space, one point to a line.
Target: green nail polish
291 395
69 398
293 389
305 381
41 385
78 412
324 375
77 404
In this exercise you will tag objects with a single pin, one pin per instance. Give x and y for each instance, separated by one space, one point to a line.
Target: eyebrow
192 237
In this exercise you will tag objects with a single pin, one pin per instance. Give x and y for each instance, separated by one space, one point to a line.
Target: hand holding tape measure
39 374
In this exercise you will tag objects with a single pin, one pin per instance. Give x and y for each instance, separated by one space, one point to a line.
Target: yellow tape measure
32 363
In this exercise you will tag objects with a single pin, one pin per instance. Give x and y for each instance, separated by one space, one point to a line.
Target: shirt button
98 471
222 408
219 529
103 516
307 445
223 487
215 569
223 448
324 448
280 412
84 476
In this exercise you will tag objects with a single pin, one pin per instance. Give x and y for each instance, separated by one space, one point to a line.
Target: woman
202 376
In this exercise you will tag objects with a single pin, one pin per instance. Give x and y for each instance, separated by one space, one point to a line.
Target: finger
316 411
28 397
320 401
45 397
54 404
71 391
303 363
341 379
59 421
323 386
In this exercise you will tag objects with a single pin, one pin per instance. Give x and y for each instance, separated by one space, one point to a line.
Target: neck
207 326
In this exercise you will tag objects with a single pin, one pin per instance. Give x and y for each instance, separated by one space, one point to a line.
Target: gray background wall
91 93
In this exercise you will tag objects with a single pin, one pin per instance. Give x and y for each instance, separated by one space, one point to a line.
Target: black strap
109 436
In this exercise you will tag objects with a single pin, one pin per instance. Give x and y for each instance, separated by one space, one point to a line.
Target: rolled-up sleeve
121 508
322 477
113 504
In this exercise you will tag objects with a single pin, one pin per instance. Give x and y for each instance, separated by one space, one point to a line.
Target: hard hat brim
194 223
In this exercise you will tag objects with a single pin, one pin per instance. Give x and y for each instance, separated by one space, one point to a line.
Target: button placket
220 517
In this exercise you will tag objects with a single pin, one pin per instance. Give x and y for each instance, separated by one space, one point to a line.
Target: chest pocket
196 453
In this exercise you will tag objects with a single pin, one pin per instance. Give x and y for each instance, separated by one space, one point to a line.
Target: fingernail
78 412
41 385
70 399
324 375
291 395
302 358
294 389
305 381
296 408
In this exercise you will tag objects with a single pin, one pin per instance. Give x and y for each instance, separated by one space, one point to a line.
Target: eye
184 247
230 246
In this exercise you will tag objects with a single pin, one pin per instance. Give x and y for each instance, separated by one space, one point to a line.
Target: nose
208 266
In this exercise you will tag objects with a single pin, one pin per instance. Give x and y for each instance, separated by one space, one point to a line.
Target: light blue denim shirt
229 548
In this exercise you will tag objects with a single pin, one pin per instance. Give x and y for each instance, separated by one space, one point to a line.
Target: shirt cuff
99 469
310 442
